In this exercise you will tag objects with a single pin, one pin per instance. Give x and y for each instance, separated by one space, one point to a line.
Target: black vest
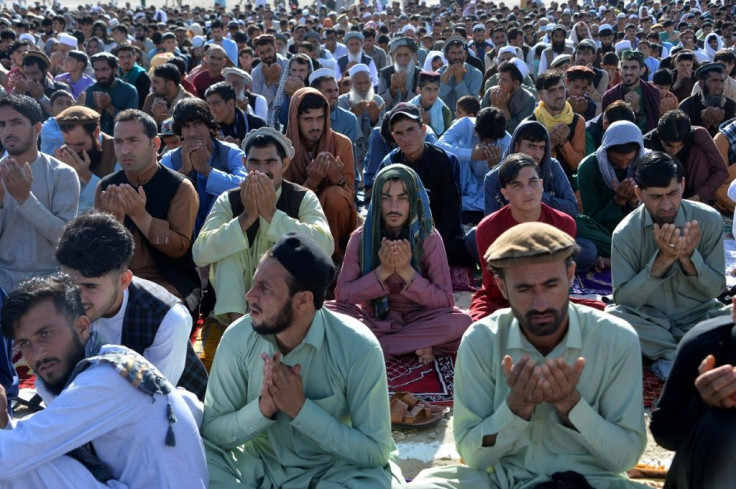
289 203
160 190
147 305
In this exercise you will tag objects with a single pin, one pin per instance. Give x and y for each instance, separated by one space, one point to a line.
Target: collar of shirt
572 340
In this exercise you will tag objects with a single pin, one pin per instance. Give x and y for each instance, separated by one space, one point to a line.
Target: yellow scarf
548 120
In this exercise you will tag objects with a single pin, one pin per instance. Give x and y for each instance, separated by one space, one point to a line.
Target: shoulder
703 213
588 164
230 146
632 221
483 335
557 218
604 328
349 331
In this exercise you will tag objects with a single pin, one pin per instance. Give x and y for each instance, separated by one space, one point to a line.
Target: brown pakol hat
527 243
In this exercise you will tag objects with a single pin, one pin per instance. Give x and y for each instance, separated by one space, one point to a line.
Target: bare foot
425 355
602 263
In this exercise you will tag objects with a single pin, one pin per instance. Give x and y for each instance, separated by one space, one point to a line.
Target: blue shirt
8 377
460 139
225 175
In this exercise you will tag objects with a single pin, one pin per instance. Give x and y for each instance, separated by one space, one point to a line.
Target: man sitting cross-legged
396 271
298 395
667 261
115 420
544 387
245 222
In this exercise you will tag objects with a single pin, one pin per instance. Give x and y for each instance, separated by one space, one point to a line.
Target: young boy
467 106
662 79
435 113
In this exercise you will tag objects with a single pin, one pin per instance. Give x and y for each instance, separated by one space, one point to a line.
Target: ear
571 271
285 163
156 142
303 300
503 192
125 279
637 191
82 327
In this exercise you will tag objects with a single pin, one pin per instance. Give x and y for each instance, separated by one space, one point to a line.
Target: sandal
409 412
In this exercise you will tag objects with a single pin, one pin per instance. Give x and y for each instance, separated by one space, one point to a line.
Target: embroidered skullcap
359 68
352 35
304 260
320 73
283 141
528 243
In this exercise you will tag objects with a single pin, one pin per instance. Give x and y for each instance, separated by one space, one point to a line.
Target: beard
279 324
356 97
95 158
20 146
541 329
558 47
106 82
70 361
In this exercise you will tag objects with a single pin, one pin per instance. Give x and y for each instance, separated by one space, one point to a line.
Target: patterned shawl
420 225
620 132
280 98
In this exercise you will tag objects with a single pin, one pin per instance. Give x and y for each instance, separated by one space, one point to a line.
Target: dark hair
169 72
224 89
490 123
685 56
725 56
317 82
193 109
662 77
610 59
17 45
454 41
33 60
427 77
674 126
534 133
60 93
95 243
657 169
548 79
59 288
510 67
217 24
125 46
149 125
27 106
510 167
180 63
313 101
110 59
264 141
469 104
619 111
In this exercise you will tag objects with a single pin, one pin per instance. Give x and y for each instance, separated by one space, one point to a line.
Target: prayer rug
433 382
462 279
592 284
652 387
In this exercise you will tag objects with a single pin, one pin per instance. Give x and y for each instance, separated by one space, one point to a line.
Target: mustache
546 312
45 361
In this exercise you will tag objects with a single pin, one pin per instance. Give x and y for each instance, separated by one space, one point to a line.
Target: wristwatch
341 183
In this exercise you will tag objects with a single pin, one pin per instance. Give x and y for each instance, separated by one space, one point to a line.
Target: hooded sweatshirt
597 177
557 192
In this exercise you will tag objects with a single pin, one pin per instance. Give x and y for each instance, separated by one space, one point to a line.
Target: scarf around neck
548 120
436 118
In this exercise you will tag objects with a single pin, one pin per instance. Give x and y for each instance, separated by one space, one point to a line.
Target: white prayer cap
196 29
320 73
622 46
359 68
114 23
238 72
522 67
408 27
27 37
198 41
69 40
352 35
507 50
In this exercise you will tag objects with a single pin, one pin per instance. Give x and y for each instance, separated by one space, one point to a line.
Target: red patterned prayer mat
431 383
652 387
462 279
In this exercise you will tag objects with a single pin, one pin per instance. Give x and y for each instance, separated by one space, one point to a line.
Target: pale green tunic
222 244
662 310
342 435
609 417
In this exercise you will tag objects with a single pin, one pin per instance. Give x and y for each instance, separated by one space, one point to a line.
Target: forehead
8 113
272 272
394 187
535 273
128 128
674 185
40 315
313 113
263 153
